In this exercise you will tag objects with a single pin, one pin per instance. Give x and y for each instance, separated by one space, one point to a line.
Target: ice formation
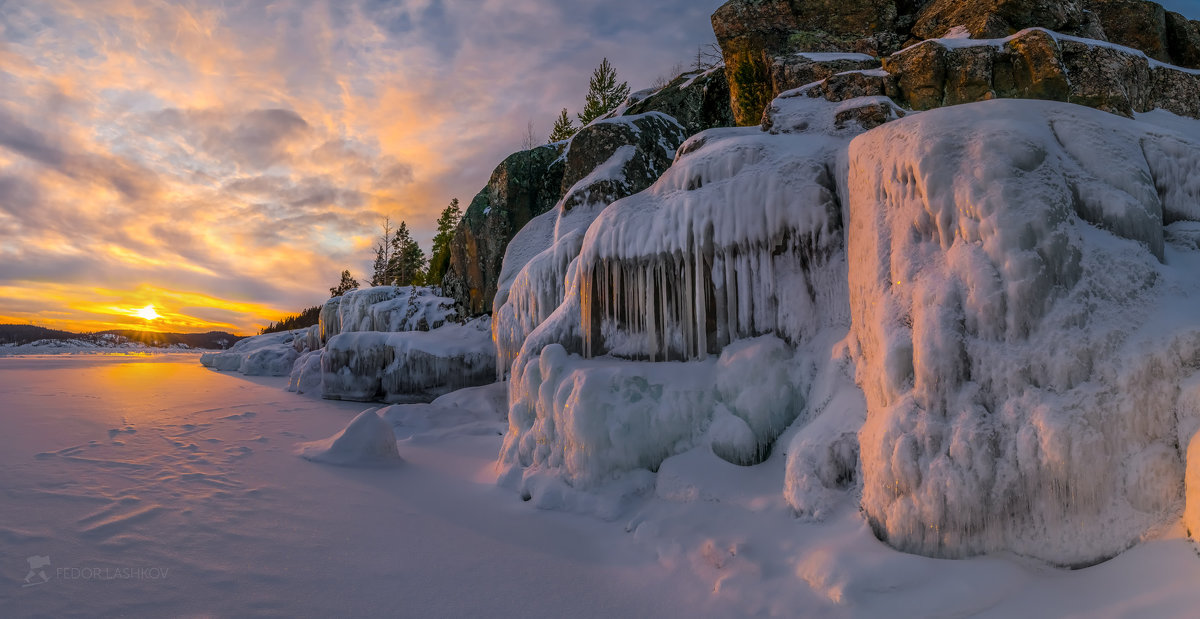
272 354
991 348
533 275
735 252
385 309
1018 325
305 376
410 366
366 441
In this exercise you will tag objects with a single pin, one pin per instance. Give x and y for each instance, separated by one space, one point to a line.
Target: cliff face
523 186
530 183
762 40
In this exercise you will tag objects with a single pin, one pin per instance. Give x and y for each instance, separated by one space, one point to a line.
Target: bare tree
529 140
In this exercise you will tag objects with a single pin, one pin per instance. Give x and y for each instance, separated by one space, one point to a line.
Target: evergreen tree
563 128
604 93
347 284
407 267
439 259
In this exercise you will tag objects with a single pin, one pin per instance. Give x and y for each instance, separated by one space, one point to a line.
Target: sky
223 161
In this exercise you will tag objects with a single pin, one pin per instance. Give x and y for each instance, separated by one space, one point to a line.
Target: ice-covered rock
1020 329
271 354
367 441
410 366
305 376
385 309
624 155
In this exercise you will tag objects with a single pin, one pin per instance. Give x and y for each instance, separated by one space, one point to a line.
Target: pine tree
347 284
604 93
439 258
563 128
407 267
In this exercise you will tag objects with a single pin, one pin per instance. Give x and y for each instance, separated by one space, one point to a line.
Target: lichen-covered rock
799 69
994 19
753 33
1175 91
1106 78
1183 40
1036 64
525 185
698 100
1139 24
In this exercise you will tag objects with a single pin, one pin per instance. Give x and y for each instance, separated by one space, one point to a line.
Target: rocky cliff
763 42
532 182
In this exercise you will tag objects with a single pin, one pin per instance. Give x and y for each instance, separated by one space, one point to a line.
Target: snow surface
366 441
150 463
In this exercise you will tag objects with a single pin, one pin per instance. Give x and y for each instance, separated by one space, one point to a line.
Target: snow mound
411 366
1021 329
271 354
366 441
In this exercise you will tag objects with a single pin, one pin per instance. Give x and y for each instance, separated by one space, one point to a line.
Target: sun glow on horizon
147 313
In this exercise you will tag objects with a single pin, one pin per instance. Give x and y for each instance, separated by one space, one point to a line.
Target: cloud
245 153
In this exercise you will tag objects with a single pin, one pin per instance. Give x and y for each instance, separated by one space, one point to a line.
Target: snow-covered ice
158 465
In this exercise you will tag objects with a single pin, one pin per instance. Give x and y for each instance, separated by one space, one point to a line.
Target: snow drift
366 441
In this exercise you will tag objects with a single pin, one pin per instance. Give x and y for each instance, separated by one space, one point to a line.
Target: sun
146 312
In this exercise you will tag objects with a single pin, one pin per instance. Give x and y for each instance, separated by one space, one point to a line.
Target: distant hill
25 334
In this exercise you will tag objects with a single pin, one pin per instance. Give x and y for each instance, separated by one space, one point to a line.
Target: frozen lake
156 487
151 486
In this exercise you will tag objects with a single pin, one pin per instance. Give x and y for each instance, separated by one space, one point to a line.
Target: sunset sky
224 161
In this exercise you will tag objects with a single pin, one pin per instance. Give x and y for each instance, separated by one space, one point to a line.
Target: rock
698 100
653 138
1183 40
920 73
1106 78
1028 68
869 115
994 19
523 186
530 183
1139 24
752 33
1036 65
851 85
799 69
1175 91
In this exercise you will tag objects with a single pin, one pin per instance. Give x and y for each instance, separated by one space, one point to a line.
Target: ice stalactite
723 247
684 317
